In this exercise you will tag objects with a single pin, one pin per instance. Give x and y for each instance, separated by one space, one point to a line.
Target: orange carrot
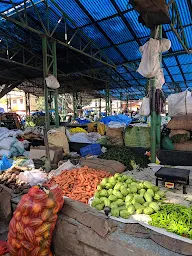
79 184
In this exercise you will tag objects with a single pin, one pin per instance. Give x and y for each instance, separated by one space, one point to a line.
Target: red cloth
3 247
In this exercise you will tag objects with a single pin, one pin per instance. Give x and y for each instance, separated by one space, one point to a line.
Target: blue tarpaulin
119 118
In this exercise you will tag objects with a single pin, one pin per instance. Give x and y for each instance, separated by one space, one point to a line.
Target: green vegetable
104 182
118 186
103 192
148 210
142 192
133 189
117 194
112 180
95 202
131 209
124 214
154 206
99 188
116 175
151 192
110 192
124 191
138 206
96 194
120 202
146 204
103 198
129 197
157 197
108 185
139 211
174 218
139 199
107 202
147 184
99 207
126 157
148 197
112 198
115 212
114 205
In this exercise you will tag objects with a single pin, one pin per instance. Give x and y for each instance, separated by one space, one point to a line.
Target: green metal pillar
45 74
153 113
153 121
127 102
158 123
107 99
99 107
75 105
55 91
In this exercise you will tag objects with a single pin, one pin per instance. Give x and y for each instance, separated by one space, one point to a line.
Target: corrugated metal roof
116 29
118 34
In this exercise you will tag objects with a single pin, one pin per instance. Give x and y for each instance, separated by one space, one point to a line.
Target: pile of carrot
79 184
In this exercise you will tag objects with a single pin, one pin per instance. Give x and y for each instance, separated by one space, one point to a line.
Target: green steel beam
56 96
45 73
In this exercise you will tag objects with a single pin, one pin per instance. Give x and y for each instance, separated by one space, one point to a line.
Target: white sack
33 177
6 143
180 104
150 63
145 107
52 82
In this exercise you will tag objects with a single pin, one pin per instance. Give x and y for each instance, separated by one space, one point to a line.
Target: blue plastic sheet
119 118
82 121
5 164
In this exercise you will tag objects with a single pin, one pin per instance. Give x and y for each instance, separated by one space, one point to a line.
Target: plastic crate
93 149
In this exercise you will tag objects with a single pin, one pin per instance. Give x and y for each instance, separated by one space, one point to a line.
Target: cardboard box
56 153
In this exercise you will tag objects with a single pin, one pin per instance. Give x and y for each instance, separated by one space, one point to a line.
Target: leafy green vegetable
175 218
126 157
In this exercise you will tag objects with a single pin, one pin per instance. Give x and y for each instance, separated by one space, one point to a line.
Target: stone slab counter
83 231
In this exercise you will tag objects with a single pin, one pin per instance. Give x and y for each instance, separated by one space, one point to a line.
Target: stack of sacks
180 109
10 146
180 135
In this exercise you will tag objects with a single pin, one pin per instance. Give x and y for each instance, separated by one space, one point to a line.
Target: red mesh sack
3 247
33 222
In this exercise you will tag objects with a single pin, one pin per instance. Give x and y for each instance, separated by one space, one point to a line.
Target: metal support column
45 73
56 91
127 102
121 106
74 105
158 120
99 107
107 99
27 103
153 121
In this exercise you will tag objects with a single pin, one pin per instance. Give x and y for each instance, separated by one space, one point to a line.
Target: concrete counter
83 231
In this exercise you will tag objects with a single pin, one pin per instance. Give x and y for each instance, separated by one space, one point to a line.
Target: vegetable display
79 184
174 218
126 196
77 129
31 228
10 178
126 157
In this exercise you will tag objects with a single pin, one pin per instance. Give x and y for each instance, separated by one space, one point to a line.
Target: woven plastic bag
31 228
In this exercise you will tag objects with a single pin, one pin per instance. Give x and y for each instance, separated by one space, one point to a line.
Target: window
14 101
21 101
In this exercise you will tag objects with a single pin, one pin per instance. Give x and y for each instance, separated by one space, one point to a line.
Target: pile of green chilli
174 218
126 196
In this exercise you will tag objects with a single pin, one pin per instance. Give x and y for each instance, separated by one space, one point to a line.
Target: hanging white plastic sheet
145 107
52 82
150 63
